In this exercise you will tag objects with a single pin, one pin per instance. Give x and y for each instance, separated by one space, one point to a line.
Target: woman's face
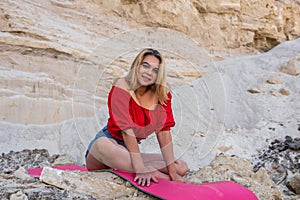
148 70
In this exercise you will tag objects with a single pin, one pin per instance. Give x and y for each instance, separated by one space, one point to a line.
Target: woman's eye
156 70
145 65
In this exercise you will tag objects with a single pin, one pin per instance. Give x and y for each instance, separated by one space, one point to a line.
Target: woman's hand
144 179
178 178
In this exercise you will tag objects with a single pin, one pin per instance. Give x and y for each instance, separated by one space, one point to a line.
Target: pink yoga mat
164 189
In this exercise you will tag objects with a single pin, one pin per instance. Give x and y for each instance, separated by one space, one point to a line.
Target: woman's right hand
178 178
144 179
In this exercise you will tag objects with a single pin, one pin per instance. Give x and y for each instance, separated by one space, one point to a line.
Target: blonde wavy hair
160 86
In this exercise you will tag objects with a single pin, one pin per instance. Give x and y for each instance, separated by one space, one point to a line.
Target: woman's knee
99 154
101 147
181 167
94 164
96 152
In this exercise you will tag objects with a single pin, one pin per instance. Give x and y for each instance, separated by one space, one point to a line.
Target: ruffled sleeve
119 110
166 120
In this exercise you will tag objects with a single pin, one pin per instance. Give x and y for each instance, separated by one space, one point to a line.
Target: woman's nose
149 71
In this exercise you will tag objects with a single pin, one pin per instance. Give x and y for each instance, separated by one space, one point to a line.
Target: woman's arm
143 174
166 146
133 148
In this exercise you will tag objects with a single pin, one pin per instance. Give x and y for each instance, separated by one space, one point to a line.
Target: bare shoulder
121 83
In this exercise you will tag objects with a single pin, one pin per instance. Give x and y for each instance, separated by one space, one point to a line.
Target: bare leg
93 164
106 153
156 161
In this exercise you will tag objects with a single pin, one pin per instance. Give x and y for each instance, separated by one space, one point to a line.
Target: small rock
63 160
7 16
253 90
128 184
22 174
272 128
278 174
294 183
284 91
276 94
224 148
294 145
290 68
288 139
272 80
18 196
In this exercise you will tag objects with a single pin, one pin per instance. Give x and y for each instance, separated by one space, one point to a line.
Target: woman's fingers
145 180
151 177
141 180
154 179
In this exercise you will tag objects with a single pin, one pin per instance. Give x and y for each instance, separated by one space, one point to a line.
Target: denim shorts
103 133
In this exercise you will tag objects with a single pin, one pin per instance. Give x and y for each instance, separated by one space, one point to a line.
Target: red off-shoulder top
126 113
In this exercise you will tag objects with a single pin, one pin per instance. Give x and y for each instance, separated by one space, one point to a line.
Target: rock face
50 62
59 58
41 39
220 24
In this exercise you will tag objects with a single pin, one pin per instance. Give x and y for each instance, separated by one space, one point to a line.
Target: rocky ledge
273 174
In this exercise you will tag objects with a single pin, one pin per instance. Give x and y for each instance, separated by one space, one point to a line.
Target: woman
139 104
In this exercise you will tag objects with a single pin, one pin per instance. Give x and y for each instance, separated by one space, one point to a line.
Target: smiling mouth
146 79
